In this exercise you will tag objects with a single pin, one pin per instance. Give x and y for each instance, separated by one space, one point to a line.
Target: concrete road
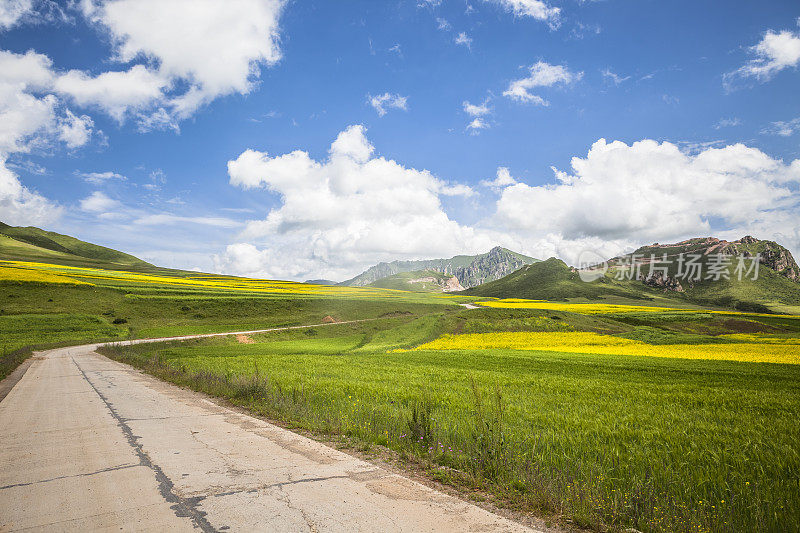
89 444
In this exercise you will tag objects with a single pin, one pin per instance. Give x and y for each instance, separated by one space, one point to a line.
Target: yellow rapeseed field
35 276
600 308
32 271
594 343
587 309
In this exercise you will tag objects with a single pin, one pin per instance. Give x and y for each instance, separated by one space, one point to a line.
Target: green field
608 411
657 444
121 304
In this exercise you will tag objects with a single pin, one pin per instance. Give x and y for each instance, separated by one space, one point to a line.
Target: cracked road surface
89 444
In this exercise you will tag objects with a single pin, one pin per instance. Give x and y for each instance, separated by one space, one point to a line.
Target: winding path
90 444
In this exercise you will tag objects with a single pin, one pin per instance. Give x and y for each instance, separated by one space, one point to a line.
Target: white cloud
22 116
542 74
28 115
531 8
114 92
654 191
463 39
502 180
217 51
161 219
12 11
19 206
75 131
343 213
29 70
98 178
775 52
477 124
783 128
478 110
614 78
727 123
443 24
385 101
99 202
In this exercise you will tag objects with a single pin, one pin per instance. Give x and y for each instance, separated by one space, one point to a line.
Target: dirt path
89 444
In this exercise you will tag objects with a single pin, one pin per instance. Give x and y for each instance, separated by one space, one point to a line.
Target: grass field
604 439
46 305
611 414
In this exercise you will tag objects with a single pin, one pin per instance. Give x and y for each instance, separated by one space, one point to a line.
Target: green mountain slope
470 270
644 274
419 281
554 280
34 244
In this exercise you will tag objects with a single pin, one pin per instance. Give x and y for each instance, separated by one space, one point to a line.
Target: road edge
8 382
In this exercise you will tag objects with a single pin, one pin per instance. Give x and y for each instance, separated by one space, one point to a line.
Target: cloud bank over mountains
356 208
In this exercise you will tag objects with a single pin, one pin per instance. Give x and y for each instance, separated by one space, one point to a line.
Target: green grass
654 444
606 441
20 333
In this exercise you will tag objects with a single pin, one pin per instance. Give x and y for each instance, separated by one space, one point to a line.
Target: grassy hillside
554 280
34 244
417 281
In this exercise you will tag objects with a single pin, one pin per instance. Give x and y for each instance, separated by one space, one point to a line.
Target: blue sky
548 127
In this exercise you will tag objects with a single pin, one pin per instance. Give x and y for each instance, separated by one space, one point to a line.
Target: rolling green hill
554 280
419 281
470 270
775 289
34 244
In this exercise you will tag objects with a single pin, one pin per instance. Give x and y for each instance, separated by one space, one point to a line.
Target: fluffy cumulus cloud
649 191
531 8
502 179
20 205
541 74
115 92
30 117
343 213
171 58
775 52
217 51
383 102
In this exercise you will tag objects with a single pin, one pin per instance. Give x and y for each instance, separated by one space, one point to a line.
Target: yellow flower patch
35 276
594 343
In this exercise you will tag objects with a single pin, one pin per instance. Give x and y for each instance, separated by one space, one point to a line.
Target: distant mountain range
647 273
469 270
657 271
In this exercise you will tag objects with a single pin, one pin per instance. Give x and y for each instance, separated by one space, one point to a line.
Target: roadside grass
657 444
19 334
